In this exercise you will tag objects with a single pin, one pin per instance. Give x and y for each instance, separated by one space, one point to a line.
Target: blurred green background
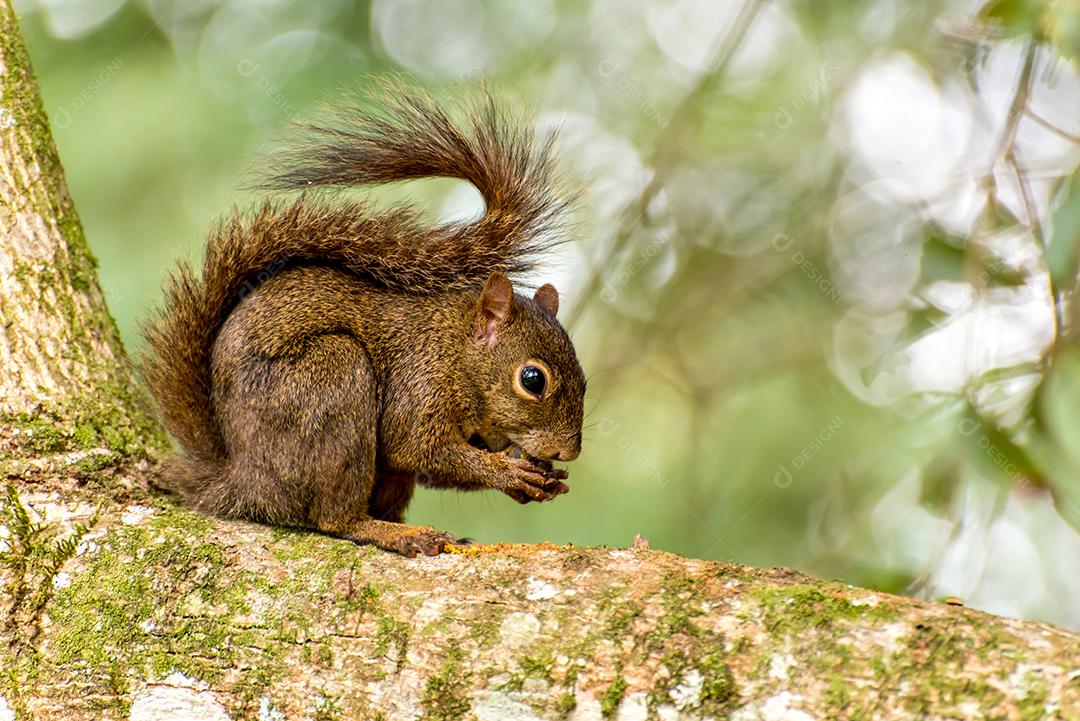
822 276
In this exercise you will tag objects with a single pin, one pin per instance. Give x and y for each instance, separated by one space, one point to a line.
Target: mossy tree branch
160 608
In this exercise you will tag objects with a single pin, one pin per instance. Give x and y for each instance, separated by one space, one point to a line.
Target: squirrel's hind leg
301 434
304 447
397 537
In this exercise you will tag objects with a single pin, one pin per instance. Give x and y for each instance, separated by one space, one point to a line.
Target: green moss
791 609
21 271
361 602
1032 706
718 689
837 696
566 704
94 467
113 606
612 697
112 416
444 697
34 555
84 435
392 633
673 637
120 416
302 544
328 708
19 96
719 692
355 604
250 689
119 688
619 625
681 595
485 631
41 435
932 668
995 641
538 667
155 599
171 518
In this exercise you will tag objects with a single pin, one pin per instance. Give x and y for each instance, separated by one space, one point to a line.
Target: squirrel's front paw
531 481
422 539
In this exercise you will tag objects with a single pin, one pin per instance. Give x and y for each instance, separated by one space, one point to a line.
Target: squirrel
331 356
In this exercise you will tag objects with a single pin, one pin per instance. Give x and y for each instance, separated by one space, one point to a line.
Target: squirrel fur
329 357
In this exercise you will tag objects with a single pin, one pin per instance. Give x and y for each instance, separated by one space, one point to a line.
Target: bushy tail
409 138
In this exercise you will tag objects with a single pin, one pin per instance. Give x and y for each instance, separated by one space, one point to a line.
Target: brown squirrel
330 356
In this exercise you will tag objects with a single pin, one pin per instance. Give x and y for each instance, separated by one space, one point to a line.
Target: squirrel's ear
547 296
496 300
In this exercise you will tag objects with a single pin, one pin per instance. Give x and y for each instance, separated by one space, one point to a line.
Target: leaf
997 455
940 481
1001 217
1062 25
1014 17
941 260
922 321
1059 418
1063 247
1057 22
1067 501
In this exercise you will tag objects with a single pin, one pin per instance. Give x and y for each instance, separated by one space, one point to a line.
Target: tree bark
115 603
160 613
67 391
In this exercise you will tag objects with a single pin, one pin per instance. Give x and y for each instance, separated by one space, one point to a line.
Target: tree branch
162 607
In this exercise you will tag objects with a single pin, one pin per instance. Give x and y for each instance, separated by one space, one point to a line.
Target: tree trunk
67 393
115 603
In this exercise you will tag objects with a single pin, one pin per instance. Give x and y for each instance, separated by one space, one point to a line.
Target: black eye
533 380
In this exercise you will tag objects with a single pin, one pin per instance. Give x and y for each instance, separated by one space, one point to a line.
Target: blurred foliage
825 264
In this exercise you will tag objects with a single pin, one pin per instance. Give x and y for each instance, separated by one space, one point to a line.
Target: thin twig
1019 101
1072 138
1030 209
1018 108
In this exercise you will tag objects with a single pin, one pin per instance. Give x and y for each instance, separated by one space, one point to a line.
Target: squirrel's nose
569 454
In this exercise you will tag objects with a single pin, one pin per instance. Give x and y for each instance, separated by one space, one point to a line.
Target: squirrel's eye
533 380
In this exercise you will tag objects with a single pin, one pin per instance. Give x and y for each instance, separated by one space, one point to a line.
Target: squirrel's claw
532 482
424 540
